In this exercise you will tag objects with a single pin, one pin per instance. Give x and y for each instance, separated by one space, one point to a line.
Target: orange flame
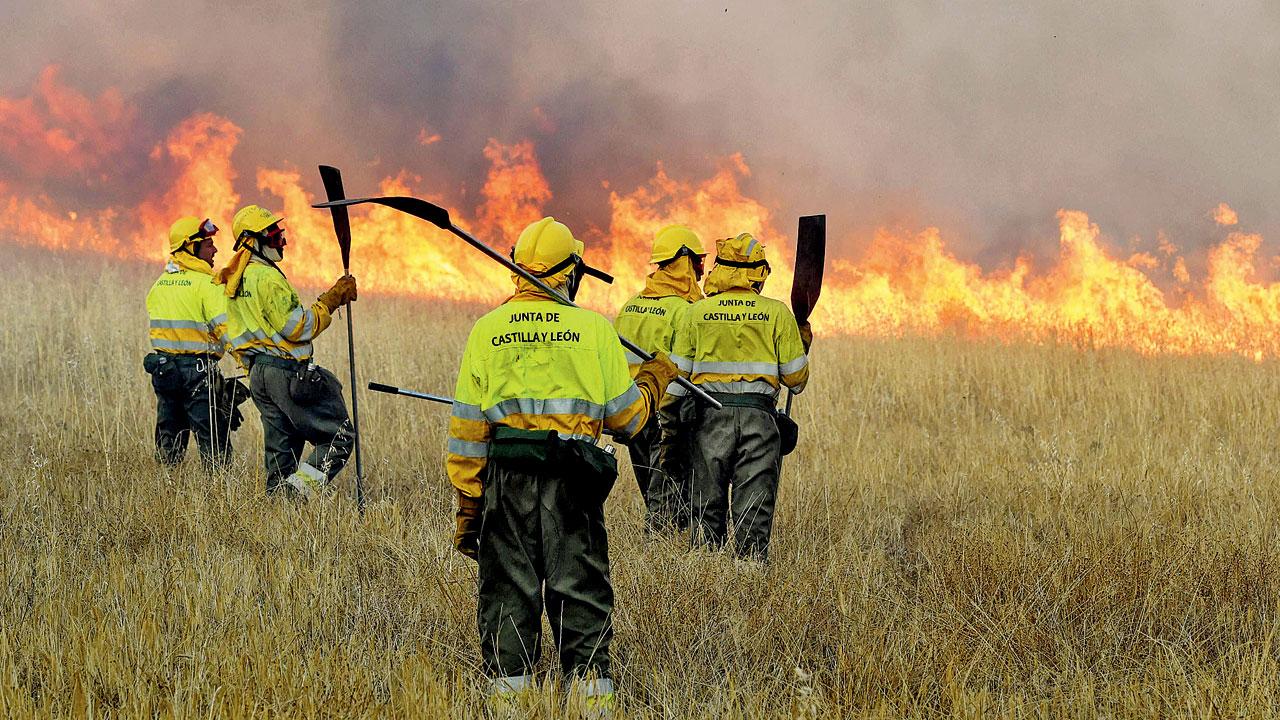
898 285
1088 298
514 192
57 132
1225 216
199 150
426 137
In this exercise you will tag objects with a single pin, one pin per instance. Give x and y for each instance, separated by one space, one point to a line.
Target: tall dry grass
965 530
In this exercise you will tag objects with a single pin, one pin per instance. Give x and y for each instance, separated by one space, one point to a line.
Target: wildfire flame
59 133
1225 216
899 284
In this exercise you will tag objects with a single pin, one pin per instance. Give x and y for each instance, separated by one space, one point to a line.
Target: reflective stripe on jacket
533 364
265 316
187 310
740 342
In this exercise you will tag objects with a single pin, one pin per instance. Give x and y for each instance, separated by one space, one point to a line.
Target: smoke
980 118
60 139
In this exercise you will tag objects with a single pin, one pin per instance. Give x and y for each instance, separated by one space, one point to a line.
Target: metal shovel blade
811 258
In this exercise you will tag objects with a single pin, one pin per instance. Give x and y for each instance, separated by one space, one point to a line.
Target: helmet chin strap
577 269
269 255
574 280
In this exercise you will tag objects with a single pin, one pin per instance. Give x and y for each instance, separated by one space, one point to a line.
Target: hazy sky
981 117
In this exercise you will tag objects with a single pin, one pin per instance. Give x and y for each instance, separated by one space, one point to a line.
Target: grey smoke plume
980 117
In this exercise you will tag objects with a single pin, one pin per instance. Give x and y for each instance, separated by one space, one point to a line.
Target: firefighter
649 320
539 383
271 331
740 347
188 329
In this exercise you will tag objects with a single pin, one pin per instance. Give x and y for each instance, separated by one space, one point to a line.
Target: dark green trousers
670 488
188 406
736 461
289 423
643 451
541 549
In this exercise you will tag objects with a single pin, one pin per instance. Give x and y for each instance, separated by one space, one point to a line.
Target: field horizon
967 528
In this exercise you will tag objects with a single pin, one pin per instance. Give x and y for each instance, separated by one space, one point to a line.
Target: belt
189 358
275 361
747 400
506 433
201 362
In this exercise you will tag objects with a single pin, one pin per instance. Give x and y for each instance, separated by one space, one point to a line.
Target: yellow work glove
466 539
806 336
342 292
655 375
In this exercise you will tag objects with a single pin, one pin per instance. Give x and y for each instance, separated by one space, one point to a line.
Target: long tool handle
355 407
332 179
393 390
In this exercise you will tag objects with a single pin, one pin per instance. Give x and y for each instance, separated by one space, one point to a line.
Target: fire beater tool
811 257
393 390
439 217
332 178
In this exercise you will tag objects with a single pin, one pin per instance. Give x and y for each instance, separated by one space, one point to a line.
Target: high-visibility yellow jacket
649 319
533 364
739 341
188 311
266 317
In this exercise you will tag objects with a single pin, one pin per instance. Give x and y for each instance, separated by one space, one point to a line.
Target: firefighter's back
181 317
545 366
649 322
740 342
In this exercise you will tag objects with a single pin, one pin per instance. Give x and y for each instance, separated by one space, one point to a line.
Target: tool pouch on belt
166 377
307 384
231 394
589 471
788 431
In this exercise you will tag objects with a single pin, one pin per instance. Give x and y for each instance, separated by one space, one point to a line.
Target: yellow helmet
670 240
546 247
549 251
253 219
740 262
189 228
181 232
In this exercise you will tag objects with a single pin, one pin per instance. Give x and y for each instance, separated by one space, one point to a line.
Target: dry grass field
966 530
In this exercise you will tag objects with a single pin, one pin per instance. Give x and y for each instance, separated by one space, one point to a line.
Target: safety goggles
206 230
273 234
